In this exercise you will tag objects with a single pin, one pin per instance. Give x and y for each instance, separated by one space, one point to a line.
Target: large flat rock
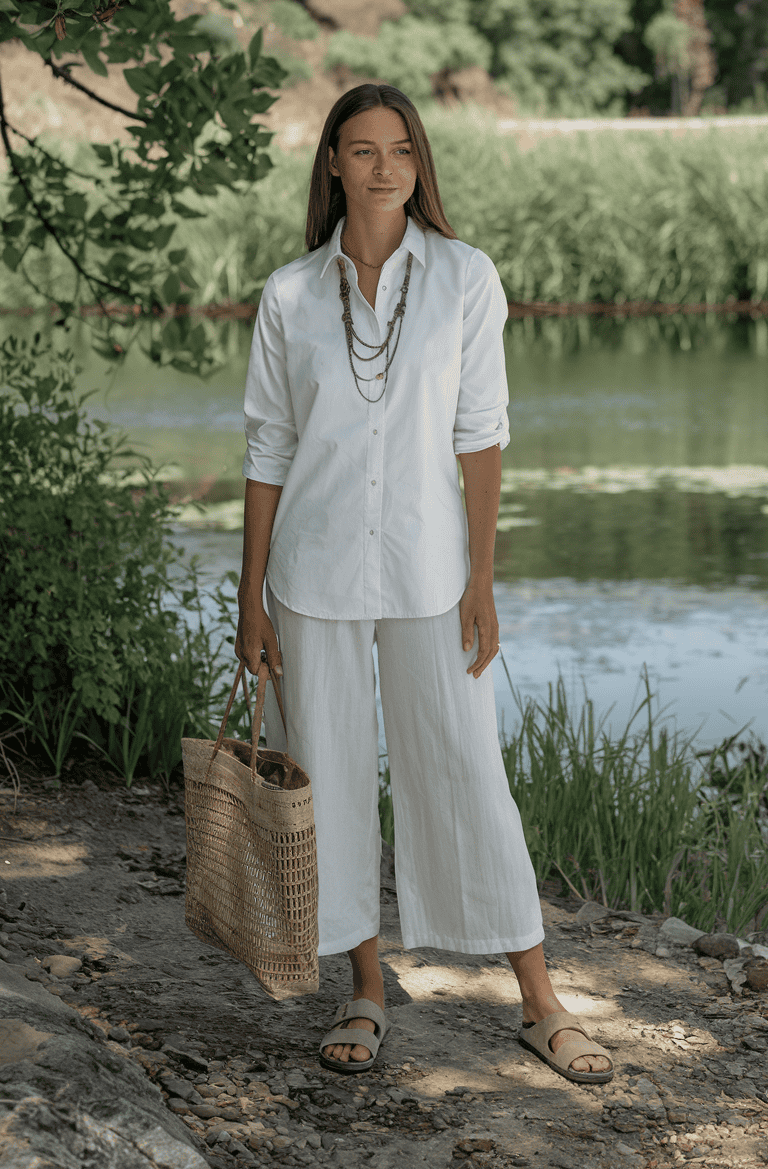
69 1098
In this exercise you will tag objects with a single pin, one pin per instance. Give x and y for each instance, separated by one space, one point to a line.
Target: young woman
377 359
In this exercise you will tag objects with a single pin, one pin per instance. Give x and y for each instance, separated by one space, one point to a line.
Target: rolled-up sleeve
481 412
270 428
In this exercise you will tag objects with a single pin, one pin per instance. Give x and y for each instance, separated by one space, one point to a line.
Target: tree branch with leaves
194 131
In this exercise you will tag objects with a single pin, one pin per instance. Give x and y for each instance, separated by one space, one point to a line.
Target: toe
360 1053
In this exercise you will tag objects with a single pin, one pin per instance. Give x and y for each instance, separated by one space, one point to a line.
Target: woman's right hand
255 632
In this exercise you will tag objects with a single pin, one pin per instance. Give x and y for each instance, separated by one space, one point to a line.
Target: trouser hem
349 942
472 946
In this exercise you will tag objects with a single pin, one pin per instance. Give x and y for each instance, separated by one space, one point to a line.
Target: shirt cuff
479 440
266 468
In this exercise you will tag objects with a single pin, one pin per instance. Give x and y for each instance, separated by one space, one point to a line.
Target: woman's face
375 161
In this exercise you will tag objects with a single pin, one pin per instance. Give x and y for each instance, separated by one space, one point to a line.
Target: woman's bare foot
368 983
583 1063
539 1000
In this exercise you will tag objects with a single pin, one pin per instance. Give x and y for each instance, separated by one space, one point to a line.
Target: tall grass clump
106 643
636 820
605 216
633 820
610 216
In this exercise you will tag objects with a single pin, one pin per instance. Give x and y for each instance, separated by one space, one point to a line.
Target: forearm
482 488
261 500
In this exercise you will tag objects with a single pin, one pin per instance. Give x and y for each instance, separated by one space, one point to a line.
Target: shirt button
371 532
373 482
383 288
375 432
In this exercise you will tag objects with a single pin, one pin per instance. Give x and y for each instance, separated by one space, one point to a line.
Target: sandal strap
541 1032
352 1036
363 1009
574 1048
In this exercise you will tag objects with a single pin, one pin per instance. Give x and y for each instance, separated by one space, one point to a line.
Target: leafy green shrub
293 20
408 52
94 643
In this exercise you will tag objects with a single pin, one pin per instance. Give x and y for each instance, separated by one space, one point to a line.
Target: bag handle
264 673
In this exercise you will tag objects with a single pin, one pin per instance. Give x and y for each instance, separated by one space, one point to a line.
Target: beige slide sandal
535 1038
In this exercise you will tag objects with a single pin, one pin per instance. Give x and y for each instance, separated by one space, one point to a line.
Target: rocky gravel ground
91 909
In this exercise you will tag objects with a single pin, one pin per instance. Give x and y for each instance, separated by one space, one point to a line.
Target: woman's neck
374 240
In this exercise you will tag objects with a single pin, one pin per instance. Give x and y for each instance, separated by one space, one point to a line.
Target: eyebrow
367 142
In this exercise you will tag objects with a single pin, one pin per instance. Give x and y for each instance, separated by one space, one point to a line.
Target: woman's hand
478 608
254 633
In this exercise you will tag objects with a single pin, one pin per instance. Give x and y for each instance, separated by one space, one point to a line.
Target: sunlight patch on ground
43 860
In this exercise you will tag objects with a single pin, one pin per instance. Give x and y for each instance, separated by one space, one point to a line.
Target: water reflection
634 519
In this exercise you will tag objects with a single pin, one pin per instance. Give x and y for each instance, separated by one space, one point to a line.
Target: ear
332 163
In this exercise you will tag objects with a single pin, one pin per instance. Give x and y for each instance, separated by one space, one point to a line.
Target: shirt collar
413 241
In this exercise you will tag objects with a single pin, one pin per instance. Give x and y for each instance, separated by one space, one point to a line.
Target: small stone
328 1140
676 1117
438 1123
206 1111
61 965
119 1034
717 946
188 1058
591 911
281 1142
181 1088
756 971
177 1105
678 931
663 952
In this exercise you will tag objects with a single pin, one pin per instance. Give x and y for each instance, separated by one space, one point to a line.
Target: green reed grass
633 820
607 216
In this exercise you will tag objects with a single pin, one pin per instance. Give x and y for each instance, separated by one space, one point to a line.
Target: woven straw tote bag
251 854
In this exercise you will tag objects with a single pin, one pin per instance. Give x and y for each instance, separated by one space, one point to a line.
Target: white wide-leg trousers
465 881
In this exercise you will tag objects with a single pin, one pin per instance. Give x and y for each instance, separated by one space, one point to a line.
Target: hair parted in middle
327 201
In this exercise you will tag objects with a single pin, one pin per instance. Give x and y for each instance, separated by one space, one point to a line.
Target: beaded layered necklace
351 335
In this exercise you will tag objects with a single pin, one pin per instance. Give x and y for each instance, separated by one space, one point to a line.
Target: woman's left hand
478 608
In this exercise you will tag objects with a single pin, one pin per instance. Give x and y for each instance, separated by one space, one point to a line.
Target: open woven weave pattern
252 861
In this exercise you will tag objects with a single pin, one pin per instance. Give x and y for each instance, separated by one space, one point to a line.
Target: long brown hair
327 201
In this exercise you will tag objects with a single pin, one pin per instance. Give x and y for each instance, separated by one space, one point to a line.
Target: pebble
678 931
717 945
61 965
756 971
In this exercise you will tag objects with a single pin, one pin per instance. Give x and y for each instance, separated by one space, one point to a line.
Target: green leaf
171 288
11 257
177 256
90 51
142 81
184 211
75 206
103 153
255 46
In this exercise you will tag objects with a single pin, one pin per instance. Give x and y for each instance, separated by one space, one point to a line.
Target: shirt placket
374 464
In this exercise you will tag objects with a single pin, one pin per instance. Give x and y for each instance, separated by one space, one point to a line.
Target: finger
487 650
482 647
468 632
274 657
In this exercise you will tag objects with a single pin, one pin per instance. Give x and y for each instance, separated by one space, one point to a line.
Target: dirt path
99 875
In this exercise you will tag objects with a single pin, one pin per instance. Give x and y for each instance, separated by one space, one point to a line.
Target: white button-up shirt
370 521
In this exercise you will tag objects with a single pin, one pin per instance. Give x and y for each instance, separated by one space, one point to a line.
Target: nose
382 167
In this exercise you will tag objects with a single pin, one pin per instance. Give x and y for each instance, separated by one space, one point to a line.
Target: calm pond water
633 528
